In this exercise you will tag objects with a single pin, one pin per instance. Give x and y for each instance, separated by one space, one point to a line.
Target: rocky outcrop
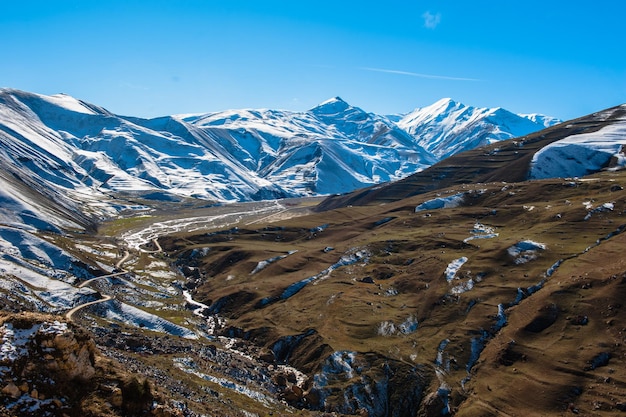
367 384
30 342
51 367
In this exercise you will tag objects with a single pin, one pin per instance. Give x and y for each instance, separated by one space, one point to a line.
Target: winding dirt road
70 313
118 265
104 298
89 281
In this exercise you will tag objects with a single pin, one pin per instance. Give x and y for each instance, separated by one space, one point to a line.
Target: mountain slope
448 127
332 148
84 158
599 134
419 299
419 308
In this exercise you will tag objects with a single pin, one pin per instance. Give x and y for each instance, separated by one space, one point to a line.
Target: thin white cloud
431 21
419 75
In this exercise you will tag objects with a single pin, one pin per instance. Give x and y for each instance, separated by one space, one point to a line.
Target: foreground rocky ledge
50 367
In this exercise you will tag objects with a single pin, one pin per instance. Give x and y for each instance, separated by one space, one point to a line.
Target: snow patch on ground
361 392
591 210
462 287
480 231
348 259
442 202
39 255
189 366
47 293
15 341
389 328
525 251
339 363
267 262
453 268
134 316
214 322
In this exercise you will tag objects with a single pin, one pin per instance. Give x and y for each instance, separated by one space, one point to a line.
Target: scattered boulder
11 390
601 359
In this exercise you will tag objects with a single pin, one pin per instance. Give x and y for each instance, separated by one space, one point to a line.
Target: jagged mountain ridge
330 148
448 127
81 162
575 148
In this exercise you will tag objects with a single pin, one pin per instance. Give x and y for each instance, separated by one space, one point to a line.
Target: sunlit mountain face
80 153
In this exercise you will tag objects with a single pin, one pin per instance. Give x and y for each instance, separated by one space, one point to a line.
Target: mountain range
92 163
152 267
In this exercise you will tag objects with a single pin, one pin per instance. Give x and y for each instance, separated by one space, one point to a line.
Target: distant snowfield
579 155
448 127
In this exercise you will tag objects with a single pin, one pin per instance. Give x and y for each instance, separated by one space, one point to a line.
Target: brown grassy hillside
371 281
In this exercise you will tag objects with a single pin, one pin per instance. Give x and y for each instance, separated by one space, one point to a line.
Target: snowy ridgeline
78 153
448 127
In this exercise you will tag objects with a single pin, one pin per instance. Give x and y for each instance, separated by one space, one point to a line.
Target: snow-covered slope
62 158
448 127
332 148
581 154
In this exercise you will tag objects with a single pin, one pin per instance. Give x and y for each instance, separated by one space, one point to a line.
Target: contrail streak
416 74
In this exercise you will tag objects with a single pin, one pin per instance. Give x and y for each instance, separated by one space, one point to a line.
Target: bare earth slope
563 349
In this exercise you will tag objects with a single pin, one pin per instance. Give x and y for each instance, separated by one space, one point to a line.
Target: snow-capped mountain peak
80 153
448 127
331 106
445 103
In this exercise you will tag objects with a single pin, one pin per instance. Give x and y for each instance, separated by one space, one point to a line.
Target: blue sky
152 58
